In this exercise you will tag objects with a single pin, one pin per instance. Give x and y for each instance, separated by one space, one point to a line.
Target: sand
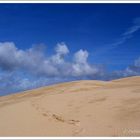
80 108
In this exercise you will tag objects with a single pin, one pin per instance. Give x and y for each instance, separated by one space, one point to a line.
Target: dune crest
79 108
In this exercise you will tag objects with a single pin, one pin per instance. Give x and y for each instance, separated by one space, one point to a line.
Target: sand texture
80 108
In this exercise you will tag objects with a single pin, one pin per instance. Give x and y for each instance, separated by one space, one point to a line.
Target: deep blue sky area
86 26
91 27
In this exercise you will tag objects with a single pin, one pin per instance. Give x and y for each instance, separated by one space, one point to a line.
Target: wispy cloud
134 28
128 34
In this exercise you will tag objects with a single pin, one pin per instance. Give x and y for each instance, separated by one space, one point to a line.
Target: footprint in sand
77 131
54 116
74 122
58 118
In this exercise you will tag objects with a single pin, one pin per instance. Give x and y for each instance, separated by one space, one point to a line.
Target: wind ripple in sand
59 118
74 109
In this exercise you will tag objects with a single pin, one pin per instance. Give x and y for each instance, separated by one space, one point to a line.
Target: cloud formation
34 61
128 34
131 70
25 69
80 66
31 68
134 28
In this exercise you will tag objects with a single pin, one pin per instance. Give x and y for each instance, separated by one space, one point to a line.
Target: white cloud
81 56
27 69
80 66
9 56
61 49
134 28
34 61
31 60
128 34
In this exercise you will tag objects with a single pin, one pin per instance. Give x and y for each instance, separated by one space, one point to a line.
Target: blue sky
42 44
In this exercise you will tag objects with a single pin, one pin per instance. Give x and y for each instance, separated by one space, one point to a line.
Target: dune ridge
78 108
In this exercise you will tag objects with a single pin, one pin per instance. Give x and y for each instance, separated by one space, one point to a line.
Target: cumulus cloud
9 56
80 66
35 63
61 50
81 56
32 68
32 60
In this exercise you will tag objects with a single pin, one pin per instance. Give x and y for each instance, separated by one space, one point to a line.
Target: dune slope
80 108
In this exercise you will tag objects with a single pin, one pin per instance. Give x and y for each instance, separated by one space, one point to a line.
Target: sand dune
80 108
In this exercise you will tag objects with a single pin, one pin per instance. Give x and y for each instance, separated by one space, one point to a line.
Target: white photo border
68 2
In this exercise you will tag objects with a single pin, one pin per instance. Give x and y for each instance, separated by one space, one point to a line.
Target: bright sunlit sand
80 108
